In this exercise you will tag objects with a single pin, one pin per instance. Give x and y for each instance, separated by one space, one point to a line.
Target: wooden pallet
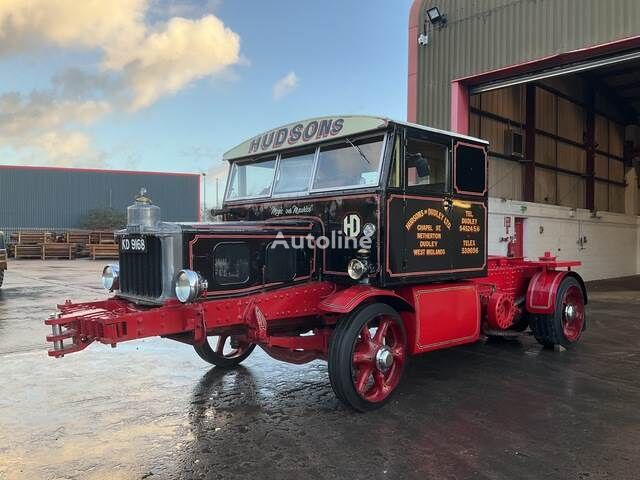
33 238
98 237
104 250
59 250
27 251
82 238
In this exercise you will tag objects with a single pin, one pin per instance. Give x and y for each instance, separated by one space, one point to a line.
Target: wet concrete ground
152 409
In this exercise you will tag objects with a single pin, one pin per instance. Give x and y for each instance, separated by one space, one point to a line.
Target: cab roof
316 130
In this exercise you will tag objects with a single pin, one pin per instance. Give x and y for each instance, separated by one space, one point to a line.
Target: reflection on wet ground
153 409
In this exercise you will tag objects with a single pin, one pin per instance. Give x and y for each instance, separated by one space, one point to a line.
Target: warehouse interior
565 161
585 136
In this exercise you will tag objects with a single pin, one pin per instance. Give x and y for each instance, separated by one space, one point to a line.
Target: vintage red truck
357 240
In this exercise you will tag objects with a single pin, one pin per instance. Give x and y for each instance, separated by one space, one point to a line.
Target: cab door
419 207
469 207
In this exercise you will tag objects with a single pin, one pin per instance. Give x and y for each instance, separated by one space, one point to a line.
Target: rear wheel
566 324
1 277
367 355
227 351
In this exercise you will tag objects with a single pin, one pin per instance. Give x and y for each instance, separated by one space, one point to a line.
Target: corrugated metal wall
484 35
59 198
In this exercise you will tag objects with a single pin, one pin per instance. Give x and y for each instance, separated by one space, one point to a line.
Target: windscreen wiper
364 157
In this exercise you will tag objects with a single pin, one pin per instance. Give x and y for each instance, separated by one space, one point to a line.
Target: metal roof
489 35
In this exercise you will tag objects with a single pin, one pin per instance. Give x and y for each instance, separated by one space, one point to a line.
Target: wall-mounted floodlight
436 18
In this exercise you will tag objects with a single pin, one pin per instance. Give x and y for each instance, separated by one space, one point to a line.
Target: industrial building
554 86
58 198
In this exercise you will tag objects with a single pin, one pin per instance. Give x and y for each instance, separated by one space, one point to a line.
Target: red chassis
435 315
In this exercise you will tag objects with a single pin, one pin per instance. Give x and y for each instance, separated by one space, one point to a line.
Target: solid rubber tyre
219 358
559 328
352 355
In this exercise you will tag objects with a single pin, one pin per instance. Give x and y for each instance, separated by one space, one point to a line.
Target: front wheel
566 324
367 355
227 352
1 277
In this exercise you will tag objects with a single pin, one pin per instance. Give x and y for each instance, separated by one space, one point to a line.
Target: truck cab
417 195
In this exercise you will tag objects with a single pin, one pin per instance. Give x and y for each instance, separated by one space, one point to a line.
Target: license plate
133 244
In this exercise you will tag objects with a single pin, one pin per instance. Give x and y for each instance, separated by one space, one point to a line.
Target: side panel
238 263
445 315
437 239
333 213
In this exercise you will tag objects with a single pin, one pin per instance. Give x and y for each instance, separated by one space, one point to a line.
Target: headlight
189 285
357 268
369 229
111 277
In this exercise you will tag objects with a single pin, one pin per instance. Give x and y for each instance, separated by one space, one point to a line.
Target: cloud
145 53
69 149
285 85
152 60
165 9
41 126
28 24
169 59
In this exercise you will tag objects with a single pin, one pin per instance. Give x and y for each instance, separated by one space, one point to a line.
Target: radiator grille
141 273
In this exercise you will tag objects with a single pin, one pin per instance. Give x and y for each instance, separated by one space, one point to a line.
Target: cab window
471 169
426 165
251 180
395 176
294 172
353 163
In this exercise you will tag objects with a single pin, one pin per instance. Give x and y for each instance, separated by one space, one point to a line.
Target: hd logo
351 225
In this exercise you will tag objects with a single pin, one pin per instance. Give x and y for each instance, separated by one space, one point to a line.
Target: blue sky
148 86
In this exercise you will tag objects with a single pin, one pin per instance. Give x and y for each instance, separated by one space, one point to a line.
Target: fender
543 289
345 301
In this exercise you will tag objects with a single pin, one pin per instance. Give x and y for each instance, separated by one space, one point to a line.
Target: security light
436 18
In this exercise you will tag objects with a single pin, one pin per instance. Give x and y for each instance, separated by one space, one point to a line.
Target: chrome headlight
111 277
369 229
189 285
357 268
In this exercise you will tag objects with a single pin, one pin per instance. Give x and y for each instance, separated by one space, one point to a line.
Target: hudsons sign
304 133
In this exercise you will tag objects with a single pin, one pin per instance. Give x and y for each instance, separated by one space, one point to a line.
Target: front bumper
76 325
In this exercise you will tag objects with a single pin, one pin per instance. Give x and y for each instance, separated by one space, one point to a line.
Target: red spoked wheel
565 326
227 351
367 356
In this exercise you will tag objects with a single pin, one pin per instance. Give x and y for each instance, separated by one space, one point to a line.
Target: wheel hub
384 358
569 312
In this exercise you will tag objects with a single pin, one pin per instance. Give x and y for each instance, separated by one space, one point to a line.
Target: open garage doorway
564 139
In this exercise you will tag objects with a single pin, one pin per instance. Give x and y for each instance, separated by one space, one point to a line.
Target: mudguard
345 301
543 289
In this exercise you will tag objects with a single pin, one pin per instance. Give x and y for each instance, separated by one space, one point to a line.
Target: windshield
294 172
251 179
350 163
